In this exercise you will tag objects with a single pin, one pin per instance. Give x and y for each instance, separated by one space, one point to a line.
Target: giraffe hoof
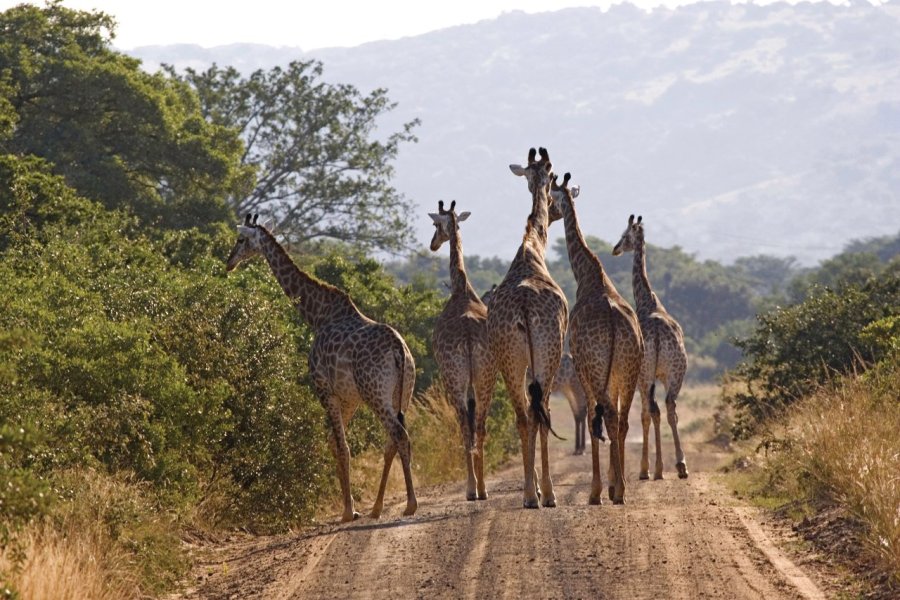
644 476
595 500
619 501
410 509
550 502
657 476
351 517
531 503
682 470
612 493
471 497
482 495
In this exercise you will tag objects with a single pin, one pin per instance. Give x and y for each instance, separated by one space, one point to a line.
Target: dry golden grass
847 441
104 540
437 453
78 564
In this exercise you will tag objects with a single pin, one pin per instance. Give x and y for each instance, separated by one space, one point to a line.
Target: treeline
141 390
716 304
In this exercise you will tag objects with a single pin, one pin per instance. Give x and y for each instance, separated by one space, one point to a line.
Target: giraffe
352 359
486 297
462 351
606 344
665 359
526 322
567 384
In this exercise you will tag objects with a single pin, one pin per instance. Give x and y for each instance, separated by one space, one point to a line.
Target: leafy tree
794 349
117 134
319 171
767 275
847 268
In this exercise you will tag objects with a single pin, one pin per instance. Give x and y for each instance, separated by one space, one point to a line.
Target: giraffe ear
517 170
435 217
463 216
575 190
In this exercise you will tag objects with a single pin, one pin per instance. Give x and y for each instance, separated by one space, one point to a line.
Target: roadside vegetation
815 409
143 393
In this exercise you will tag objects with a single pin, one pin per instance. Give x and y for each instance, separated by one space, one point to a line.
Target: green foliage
795 349
115 133
319 171
844 269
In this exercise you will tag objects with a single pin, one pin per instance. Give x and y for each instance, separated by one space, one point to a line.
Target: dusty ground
672 539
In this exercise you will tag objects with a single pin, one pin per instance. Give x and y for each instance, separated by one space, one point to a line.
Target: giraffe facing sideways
462 352
665 358
353 359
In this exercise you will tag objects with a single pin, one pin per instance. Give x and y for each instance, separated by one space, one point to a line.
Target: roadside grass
104 540
839 447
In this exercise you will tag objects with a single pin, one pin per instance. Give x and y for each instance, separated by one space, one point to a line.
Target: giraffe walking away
527 319
606 344
462 351
665 358
567 384
353 359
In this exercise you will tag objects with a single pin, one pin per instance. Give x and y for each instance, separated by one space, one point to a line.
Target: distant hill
734 130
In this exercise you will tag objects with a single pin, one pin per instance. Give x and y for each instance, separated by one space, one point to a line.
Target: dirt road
672 539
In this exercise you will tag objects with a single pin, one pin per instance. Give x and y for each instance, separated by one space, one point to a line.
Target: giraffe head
633 235
562 195
442 223
248 244
536 172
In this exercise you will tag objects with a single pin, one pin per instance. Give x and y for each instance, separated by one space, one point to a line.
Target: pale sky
308 24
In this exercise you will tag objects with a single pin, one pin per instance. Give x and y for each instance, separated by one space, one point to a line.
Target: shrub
796 349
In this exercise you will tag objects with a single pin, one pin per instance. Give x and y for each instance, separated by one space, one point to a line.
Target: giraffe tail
541 415
400 362
597 423
654 407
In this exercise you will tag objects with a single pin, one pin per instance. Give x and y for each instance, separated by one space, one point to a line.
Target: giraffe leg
672 416
398 443
616 481
623 434
468 435
527 433
645 426
341 451
390 450
548 496
658 468
485 392
596 496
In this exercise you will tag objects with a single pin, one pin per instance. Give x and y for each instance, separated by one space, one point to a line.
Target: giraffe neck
644 297
538 221
586 266
459 281
317 302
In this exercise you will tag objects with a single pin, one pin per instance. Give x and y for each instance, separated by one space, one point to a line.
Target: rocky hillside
734 130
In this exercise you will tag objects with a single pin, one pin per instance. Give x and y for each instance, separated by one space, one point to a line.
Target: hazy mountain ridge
734 130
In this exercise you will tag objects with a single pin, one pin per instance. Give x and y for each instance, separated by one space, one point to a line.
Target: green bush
799 348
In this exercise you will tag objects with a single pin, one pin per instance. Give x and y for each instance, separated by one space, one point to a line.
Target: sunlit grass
840 445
